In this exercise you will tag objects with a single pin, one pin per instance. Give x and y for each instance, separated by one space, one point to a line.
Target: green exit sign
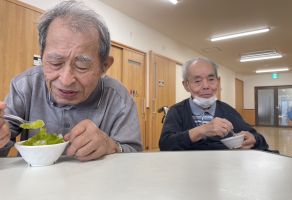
275 75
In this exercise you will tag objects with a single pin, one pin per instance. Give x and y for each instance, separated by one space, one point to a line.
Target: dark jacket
179 121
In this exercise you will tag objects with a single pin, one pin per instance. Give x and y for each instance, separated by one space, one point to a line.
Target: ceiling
193 22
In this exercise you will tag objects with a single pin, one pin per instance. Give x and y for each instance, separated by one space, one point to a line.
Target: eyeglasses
197 82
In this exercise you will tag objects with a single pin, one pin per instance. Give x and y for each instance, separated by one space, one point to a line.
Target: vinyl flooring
278 138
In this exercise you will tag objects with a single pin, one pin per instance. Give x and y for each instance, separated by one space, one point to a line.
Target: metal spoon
232 132
13 119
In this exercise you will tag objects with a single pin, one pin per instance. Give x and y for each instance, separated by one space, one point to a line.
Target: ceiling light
263 55
240 34
272 70
173 1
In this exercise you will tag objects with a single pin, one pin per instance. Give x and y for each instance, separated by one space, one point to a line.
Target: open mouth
67 93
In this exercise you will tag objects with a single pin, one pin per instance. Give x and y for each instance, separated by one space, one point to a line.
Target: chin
67 101
206 96
61 99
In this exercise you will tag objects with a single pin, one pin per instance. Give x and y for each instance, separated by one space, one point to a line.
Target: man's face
71 63
201 80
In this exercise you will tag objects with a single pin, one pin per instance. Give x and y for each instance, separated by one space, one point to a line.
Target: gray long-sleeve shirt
110 106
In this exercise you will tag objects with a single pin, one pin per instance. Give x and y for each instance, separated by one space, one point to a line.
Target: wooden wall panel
249 116
18 41
2 69
218 93
239 96
115 70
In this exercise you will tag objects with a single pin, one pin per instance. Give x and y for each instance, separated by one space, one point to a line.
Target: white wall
250 82
227 79
181 93
227 85
128 31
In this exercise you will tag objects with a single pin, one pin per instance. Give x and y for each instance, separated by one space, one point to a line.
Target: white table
202 175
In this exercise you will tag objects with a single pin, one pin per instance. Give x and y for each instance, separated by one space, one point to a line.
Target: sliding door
274 106
285 106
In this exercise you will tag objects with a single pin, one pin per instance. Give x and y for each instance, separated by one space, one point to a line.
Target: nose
67 76
205 83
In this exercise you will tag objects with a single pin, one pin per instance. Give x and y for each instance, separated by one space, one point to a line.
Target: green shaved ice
33 125
42 138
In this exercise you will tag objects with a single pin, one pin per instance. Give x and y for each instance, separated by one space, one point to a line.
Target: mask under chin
204 102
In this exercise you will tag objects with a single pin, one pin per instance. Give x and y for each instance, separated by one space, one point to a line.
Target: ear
186 86
108 63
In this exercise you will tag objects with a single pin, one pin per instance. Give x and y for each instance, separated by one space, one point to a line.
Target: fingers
249 140
4 127
94 149
220 127
94 155
97 147
75 132
2 106
90 152
2 122
77 143
4 134
87 142
226 125
246 146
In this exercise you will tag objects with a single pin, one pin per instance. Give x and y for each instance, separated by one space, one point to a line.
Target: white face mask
203 102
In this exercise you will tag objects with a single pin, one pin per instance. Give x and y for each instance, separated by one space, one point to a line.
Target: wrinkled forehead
77 24
201 68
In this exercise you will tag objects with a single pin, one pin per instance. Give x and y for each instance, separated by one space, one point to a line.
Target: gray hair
81 18
188 63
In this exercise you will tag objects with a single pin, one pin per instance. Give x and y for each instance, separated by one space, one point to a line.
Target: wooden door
239 96
133 77
218 93
162 92
115 70
18 40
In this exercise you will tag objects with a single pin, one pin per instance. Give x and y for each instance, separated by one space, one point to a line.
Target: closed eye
56 65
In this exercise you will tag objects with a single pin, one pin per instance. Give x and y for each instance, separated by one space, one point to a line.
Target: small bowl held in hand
233 142
41 155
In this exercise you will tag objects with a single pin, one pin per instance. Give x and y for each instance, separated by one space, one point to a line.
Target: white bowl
42 155
233 142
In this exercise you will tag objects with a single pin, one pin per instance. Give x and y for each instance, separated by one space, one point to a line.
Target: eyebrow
54 56
83 58
210 75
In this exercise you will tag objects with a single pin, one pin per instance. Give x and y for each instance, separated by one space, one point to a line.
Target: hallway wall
250 82
133 33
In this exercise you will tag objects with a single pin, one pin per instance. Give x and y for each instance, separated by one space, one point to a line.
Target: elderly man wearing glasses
201 121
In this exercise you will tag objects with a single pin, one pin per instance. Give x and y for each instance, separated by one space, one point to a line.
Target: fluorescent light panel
260 56
241 34
272 70
173 1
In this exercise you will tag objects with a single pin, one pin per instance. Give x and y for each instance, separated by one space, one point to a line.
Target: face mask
203 102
